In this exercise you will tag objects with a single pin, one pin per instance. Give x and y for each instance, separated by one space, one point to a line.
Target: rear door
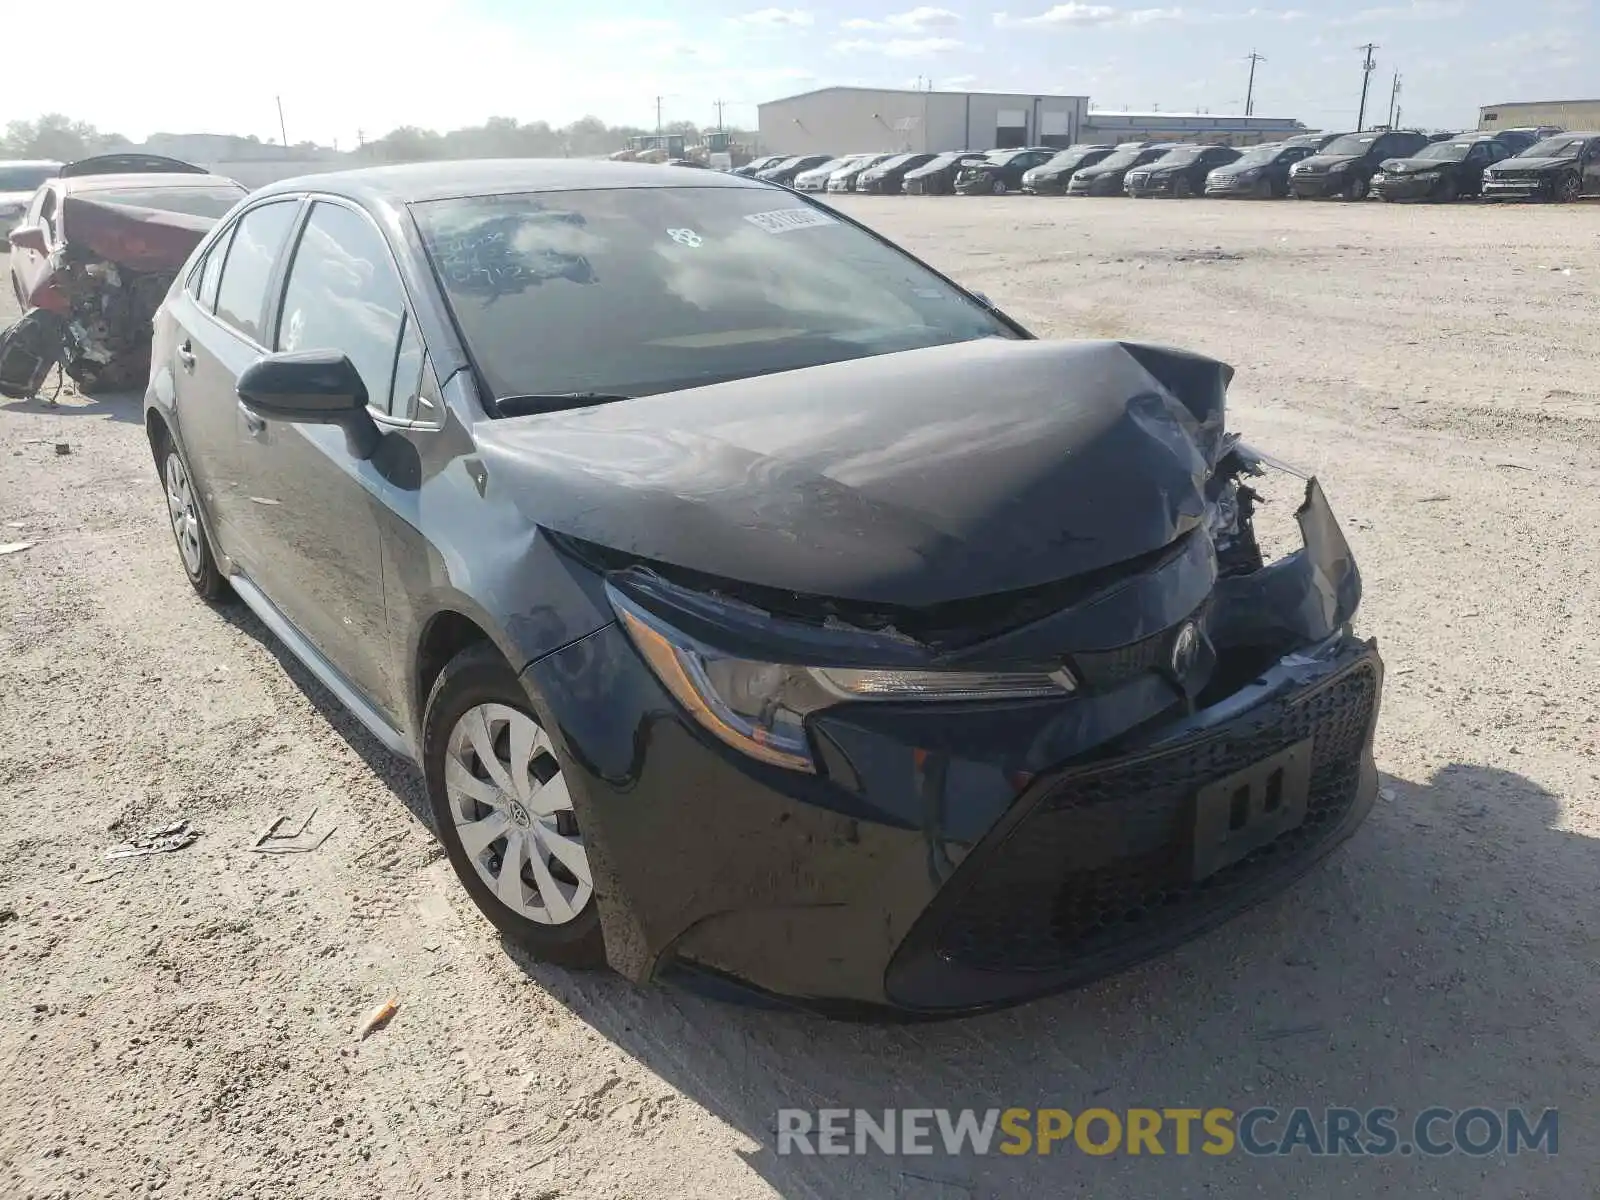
28 265
220 318
1590 165
315 511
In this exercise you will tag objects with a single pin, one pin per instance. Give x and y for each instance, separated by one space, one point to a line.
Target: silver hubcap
511 810
180 507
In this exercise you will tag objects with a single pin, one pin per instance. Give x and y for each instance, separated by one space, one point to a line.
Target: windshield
1445 151
195 201
1180 158
1259 157
1119 160
1351 144
633 291
24 179
1066 159
1556 147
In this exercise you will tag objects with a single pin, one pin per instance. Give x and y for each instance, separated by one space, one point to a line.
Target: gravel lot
187 1023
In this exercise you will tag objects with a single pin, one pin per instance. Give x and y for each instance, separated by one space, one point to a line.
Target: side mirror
312 387
29 237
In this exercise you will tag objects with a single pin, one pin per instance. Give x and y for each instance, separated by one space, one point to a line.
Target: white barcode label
785 219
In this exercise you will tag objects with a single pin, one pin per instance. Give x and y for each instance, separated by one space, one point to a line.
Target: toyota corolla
761 608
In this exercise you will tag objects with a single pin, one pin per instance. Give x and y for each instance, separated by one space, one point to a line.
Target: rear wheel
188 526
502 808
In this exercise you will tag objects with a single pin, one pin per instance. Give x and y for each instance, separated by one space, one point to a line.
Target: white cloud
1075 15
775 18
915 19
899 47
628 27
957 82
1419 10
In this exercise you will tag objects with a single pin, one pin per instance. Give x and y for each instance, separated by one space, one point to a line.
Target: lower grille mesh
1101 866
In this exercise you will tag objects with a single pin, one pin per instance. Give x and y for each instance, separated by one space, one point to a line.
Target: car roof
413 182
106 183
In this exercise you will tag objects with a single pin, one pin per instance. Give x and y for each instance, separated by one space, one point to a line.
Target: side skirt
327 674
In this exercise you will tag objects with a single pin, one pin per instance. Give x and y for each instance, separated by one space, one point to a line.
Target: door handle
254 422
186 356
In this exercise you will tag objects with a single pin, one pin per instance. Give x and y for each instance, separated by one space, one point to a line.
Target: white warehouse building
843 120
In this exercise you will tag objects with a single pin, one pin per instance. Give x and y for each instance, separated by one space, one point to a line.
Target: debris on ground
158 841
273 842
15 547
380 1017
7 915
63 448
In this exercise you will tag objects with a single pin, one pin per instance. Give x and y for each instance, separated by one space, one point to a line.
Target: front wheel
1357 188
1183 189
1569 190
1264 190
1448 193
503 810
999 187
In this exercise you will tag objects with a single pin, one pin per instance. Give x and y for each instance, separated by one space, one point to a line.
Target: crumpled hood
908 479
1518 163
1414 166
1329 162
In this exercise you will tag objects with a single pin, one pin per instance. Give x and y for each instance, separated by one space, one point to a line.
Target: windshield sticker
686 237
785 219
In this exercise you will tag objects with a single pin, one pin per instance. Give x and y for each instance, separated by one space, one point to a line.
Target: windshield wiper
543 402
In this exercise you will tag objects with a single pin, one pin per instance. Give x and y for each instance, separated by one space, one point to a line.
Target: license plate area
1251 807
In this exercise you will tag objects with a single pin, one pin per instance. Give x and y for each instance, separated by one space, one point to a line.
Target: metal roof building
1108 126
1568 114
842 120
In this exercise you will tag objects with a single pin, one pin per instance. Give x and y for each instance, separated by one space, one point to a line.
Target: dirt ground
187 1024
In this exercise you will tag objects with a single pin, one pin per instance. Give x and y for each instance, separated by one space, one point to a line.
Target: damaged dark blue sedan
762 608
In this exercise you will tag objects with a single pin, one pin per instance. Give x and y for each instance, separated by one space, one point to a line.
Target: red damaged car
95 254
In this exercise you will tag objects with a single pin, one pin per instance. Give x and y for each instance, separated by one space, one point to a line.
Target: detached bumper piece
1103 865
1387 187
1537 188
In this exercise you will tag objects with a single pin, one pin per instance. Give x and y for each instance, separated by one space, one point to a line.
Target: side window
205 291
407 372
257 242
47 215
344 294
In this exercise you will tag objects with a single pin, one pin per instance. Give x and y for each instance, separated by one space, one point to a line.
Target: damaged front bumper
951 857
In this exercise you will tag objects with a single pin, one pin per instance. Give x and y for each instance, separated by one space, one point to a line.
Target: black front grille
1102 866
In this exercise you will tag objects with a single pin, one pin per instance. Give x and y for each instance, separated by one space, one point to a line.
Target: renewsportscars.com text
1260 1131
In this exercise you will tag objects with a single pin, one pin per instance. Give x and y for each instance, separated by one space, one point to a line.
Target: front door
313 508
1591 168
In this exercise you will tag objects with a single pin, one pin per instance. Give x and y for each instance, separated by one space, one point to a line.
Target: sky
343 73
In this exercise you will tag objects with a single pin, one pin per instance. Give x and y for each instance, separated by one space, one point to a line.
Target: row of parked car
1390 164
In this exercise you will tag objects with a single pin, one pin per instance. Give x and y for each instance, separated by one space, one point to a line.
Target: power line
1250 91
1367 67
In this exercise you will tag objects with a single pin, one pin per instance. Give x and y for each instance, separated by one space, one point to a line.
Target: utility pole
658 114
282 132
1367 67
719 116
1394 97
1250 91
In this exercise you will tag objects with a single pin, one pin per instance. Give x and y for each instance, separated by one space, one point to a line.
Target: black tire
200 566
480 675
1357 188
1264 189
1569 189
999 188
1183 189
1448 193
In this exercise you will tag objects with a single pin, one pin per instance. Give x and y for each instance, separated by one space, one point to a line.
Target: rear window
633 291
24 179
195 201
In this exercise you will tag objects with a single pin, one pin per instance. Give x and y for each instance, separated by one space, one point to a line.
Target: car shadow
126 406
1429 961
399 775
1410 969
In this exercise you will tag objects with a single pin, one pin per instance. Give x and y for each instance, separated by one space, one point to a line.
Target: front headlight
1427 176
759 708
1247 174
